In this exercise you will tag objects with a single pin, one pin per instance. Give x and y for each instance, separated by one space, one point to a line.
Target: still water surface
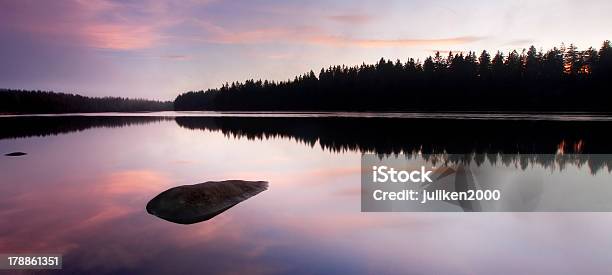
82 189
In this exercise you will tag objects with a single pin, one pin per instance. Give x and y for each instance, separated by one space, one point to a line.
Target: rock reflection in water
188 204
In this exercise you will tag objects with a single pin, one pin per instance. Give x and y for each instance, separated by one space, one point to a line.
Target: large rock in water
189 204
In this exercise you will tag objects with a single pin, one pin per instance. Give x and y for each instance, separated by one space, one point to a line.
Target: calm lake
83 186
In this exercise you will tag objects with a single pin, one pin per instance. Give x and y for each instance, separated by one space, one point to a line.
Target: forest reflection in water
521 142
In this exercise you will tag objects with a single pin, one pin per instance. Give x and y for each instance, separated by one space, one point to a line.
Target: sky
158 49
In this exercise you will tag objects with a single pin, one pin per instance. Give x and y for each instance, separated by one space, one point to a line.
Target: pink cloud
254 36
351 18
126 26
97 24
315 36
338 41
178 57
222 35
119 37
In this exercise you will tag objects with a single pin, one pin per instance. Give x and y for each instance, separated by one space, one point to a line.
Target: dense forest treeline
560 79
38 102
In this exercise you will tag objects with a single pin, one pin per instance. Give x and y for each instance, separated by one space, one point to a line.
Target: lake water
82 189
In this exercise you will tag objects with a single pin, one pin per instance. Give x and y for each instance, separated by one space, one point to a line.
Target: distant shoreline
478 115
